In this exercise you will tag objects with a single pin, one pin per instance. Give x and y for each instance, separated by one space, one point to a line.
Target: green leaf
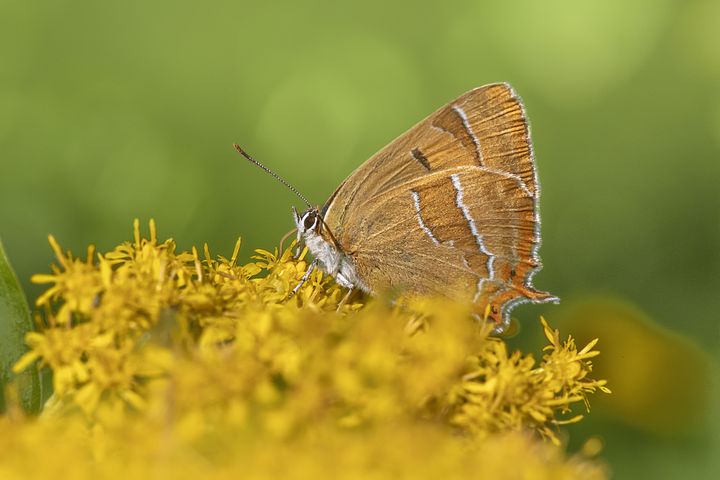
15 322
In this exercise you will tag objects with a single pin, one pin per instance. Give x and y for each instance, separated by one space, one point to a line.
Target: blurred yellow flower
200 367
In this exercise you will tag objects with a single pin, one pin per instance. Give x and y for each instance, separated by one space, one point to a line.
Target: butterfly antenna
275 175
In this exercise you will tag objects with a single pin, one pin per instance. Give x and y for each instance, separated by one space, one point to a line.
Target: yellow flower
196 364
510 392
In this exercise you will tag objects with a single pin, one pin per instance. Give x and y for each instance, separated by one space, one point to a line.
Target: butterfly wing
450 207
484 127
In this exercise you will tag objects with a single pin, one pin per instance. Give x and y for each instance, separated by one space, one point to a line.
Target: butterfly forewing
450 207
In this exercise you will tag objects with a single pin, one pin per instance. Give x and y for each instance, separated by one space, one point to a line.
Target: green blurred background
116 110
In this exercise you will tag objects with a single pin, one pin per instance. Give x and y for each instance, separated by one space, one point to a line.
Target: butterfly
449 208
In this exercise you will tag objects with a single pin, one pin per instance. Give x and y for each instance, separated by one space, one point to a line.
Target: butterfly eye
309 222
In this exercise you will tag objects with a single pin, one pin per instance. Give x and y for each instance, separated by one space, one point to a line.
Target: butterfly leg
298 249
283 239
345 299
343 281
304 278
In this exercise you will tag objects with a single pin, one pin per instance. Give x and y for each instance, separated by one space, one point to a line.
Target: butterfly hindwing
449 207
480 248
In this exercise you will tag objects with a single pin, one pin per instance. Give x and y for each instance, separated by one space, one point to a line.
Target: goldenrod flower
511 392
196 364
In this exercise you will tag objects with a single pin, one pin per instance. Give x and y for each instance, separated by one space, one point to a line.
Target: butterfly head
307 222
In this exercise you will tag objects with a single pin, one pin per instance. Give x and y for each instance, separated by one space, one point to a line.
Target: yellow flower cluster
200 367
509 392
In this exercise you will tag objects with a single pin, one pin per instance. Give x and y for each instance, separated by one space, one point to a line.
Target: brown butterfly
449 208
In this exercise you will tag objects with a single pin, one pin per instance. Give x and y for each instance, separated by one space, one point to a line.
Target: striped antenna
275 175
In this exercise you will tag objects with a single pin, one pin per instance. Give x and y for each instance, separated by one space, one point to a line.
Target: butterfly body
332 259
449 208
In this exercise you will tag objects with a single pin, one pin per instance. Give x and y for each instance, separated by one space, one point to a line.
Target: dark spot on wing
420 157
